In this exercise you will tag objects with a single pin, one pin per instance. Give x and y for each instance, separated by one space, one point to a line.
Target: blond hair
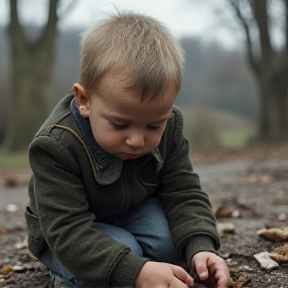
137 47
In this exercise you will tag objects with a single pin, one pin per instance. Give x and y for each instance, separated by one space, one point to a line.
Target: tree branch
260 12
14 26
286 23
251 57
51 25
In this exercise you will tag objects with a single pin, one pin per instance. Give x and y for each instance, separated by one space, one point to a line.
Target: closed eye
119 126
154 128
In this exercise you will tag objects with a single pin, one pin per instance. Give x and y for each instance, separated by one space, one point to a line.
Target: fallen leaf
10 182
2 231
227 212
234 284
252 179
266 179
280 254
6 269
274 234
225 228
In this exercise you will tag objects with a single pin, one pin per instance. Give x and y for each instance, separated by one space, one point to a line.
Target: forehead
146 88
117 100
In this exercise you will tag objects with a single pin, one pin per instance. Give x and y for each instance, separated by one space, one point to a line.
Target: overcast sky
182 17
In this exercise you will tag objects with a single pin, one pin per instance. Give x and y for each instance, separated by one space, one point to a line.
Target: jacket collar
108 166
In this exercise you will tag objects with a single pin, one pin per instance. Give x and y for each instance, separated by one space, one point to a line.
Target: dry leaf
226 212
252 179
225 228
280 254
266 179
2 231
6 269
274 234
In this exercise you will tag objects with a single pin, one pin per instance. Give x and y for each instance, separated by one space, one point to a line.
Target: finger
223 278
176 283
221 273
182 275
201 268
189 280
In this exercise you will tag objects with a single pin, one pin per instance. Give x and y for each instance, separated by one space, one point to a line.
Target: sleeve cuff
197 244
127 270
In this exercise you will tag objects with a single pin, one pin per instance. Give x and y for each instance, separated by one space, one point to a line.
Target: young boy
114 201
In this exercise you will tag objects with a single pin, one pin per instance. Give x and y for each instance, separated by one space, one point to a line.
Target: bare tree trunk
31 78
273 109
270 68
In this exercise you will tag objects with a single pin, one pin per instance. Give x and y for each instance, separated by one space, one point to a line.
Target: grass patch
210 127
235 139
11 161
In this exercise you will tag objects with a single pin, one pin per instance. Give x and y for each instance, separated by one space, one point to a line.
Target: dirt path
248 190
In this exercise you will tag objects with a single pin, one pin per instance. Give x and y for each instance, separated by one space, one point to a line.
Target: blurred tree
31 62
269 64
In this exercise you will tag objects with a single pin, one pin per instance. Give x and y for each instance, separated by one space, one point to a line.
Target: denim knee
148 224
122 236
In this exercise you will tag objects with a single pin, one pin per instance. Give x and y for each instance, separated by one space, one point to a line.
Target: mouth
128 156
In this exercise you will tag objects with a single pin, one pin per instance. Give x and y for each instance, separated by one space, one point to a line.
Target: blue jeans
145 231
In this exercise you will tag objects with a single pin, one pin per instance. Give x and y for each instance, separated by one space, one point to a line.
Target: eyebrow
116 118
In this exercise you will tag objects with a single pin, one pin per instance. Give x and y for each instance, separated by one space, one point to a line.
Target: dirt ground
248 190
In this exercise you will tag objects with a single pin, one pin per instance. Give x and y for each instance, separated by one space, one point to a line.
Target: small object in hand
198 285
197 282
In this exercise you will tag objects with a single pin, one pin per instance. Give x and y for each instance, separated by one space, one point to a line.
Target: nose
135 140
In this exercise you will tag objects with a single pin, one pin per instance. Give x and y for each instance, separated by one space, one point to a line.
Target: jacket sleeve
188 208
66 223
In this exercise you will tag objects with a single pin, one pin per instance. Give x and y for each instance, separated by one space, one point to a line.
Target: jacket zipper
129 186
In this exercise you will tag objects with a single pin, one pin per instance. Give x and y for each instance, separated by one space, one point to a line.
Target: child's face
121 124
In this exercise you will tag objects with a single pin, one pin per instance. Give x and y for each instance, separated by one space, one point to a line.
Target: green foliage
207 128
11 161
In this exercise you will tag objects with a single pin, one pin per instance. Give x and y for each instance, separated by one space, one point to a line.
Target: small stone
12 208
265 261
2 283
18 268
236 214
22 244
282 217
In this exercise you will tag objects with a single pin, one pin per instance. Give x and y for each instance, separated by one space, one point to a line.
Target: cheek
107 139
155 139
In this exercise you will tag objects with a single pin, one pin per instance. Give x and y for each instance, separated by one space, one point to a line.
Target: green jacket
70 189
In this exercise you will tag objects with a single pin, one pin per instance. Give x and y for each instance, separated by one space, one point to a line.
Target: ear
81 99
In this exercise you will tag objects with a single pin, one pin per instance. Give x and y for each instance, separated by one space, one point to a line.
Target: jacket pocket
35 236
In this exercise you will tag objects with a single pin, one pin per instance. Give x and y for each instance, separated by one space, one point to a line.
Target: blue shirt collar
108 166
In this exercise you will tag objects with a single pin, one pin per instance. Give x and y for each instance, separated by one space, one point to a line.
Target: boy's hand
211 268
163 275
